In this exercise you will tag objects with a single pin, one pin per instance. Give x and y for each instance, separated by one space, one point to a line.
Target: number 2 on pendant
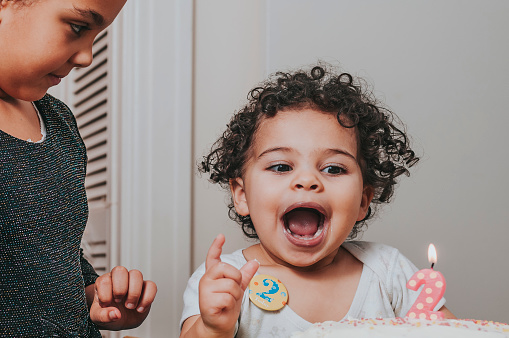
273 289
268 293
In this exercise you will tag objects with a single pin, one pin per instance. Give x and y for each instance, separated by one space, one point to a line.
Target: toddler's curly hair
384 149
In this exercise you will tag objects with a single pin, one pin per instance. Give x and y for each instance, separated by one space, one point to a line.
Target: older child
47 288
304 160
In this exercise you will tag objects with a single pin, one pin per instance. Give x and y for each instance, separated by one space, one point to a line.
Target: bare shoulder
347 262
252 252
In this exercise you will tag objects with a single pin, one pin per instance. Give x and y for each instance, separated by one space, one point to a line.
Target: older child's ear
367 196
3 3
239 196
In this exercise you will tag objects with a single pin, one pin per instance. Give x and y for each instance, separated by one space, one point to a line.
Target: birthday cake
405 327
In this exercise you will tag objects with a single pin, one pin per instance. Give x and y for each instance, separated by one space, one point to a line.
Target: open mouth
304 224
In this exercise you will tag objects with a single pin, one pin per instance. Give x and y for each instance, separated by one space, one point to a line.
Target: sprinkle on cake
406 327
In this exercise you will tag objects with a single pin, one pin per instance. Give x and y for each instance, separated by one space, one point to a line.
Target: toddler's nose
308 181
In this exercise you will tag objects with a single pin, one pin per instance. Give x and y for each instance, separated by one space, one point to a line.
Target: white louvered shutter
88 96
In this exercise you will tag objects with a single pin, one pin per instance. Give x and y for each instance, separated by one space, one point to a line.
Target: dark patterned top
43 212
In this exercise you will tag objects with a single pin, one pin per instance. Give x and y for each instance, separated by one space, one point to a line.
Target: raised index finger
214 254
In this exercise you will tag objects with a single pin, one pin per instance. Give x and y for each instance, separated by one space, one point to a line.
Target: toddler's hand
221 290
122 299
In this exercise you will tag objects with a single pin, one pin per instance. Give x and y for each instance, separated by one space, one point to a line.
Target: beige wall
442 66
229 60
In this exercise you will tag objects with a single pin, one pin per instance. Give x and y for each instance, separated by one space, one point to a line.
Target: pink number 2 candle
434 288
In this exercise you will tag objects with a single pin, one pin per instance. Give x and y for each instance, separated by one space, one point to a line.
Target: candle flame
432 254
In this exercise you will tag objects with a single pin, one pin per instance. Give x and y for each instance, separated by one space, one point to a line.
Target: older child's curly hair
384 148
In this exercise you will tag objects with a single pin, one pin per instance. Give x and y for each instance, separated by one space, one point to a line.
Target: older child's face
302 187
43 40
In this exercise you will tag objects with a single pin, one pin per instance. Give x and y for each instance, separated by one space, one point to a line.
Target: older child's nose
83 57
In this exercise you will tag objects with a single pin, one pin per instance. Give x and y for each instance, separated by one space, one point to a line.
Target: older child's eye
280 167
78 29
333 170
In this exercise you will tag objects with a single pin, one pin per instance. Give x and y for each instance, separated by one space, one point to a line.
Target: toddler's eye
333 170
78 29
280 167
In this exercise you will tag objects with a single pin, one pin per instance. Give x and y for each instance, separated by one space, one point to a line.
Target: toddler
306 160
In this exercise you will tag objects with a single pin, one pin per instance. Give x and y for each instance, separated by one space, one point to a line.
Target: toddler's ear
239 196
367 195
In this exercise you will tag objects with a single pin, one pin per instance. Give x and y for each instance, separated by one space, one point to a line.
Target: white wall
154 78
440 65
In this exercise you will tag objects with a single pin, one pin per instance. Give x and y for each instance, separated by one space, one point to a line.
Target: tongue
302 222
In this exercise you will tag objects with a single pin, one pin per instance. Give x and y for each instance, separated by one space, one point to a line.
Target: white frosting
399 327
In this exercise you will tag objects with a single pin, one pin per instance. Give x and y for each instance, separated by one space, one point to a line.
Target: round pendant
267 292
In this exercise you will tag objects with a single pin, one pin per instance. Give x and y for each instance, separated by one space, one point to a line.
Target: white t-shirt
381 293
42 125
